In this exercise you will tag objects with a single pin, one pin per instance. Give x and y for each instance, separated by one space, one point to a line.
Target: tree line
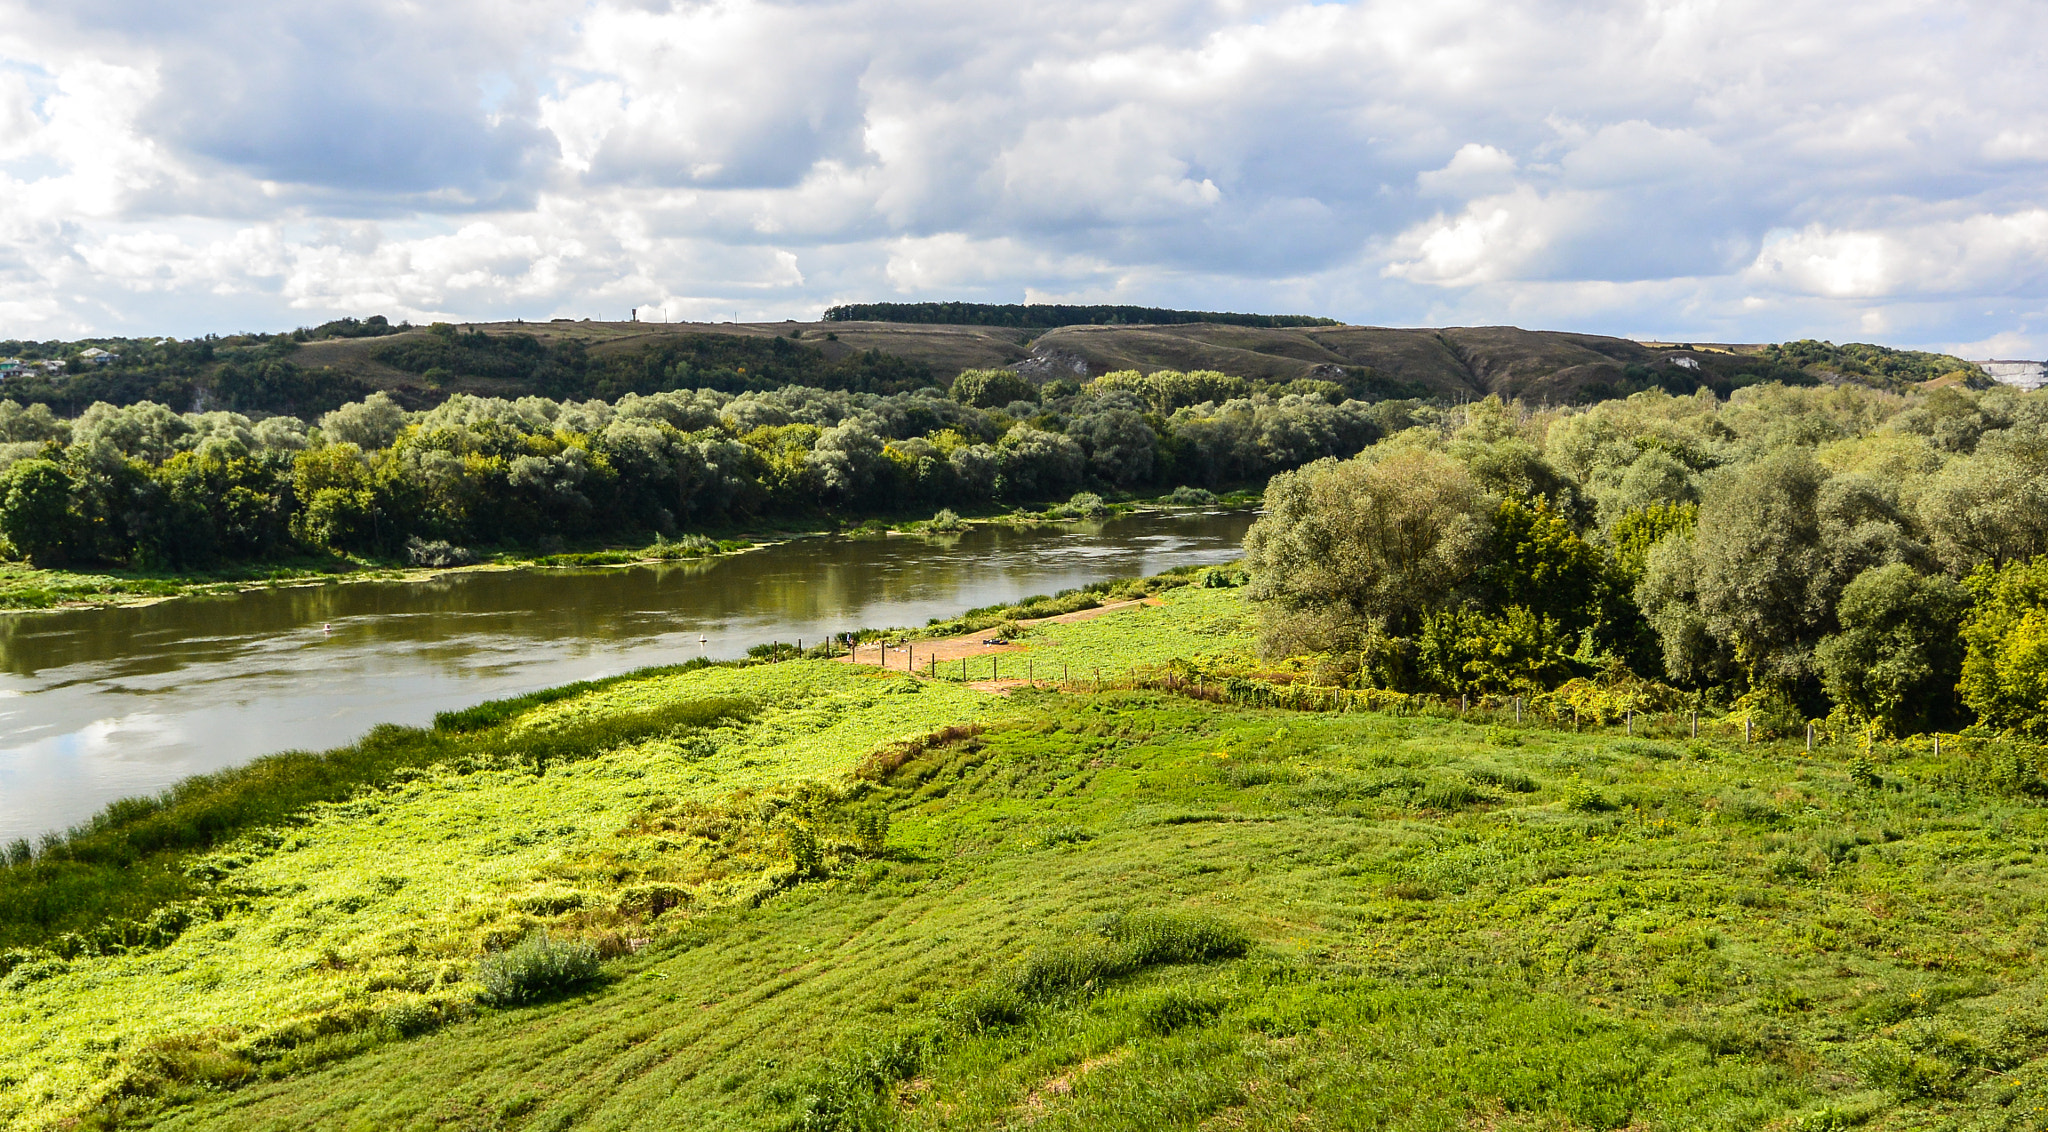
1048 316
145 486
1845 553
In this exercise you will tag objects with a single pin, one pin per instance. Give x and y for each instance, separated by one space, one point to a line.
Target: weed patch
538 967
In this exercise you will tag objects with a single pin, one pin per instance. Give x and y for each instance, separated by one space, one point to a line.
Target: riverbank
823 895
26 588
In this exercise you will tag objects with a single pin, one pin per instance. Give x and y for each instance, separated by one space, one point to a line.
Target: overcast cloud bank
1733 170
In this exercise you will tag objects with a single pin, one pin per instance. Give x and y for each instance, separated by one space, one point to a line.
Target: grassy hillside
1457 363
308 372
831 897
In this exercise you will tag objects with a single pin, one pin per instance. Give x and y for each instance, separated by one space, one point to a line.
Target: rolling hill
1458 363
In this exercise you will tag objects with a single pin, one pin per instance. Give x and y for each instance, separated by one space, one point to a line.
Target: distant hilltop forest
887 348
1048 315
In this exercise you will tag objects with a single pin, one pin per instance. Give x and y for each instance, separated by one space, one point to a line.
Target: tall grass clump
1123 945
535 968
849 1091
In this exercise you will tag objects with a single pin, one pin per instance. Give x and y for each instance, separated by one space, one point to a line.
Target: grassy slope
1459 362
1457 925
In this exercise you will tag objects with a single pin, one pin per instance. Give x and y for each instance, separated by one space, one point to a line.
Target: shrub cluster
537 967
1792 553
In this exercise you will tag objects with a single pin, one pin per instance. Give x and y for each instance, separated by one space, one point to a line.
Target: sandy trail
955 649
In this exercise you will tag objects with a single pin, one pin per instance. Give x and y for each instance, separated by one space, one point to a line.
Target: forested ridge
262 374
1843 554
1045 316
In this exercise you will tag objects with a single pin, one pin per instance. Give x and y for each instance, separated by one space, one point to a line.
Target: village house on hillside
11 368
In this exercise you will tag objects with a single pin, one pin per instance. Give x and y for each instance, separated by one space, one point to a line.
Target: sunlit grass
1354 921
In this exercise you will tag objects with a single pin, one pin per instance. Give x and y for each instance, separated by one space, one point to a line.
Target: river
108 703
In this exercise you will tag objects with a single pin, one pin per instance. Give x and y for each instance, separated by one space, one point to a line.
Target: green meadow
808 895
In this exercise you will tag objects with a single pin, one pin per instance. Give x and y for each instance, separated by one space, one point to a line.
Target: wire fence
1499 710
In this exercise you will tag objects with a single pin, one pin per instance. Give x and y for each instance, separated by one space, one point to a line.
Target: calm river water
102 704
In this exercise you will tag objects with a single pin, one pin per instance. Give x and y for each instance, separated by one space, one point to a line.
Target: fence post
1461 704
1745 729
1809 736
1630 716
1518 709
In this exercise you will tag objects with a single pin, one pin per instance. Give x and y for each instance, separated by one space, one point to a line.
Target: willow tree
1357 547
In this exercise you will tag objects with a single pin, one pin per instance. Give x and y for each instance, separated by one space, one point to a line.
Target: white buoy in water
327 628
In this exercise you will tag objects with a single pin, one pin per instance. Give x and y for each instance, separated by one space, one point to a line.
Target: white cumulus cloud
1737 169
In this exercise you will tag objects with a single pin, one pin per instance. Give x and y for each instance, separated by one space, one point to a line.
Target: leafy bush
1583 797
651 900
412 1018
1185 496
946 522
871 829
1084 505
2005 671
438 553
991 388
1465 650
33 971
806 855
535 968
689 546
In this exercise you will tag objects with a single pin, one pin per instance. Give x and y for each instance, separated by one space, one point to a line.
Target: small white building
94 356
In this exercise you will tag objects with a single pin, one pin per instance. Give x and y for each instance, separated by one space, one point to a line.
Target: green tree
1467 650
1897 658
1349 548
338 499
2005 663
1764 581
1541 564
1642 528
991 388
37 512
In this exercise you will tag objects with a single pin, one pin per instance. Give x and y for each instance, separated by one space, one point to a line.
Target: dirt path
920 653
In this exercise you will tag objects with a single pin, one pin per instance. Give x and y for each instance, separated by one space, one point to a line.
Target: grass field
827 897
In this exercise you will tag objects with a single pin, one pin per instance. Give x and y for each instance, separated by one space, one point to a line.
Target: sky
1686 170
